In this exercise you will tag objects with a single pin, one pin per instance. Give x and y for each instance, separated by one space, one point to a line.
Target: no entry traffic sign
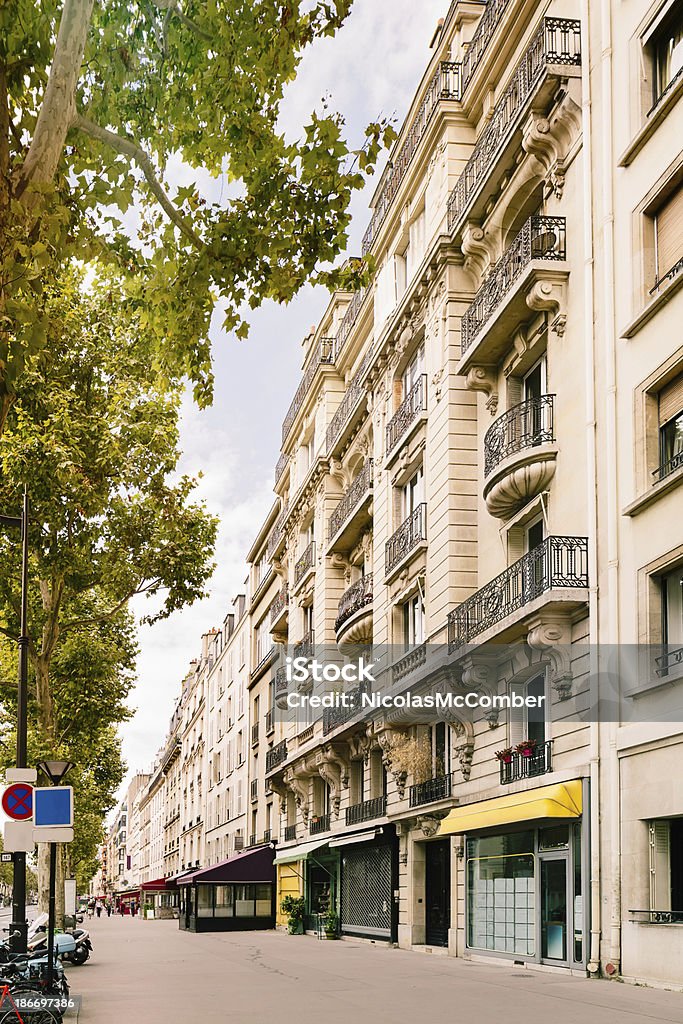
17 801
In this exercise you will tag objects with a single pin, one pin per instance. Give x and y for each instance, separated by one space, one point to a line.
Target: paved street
149 971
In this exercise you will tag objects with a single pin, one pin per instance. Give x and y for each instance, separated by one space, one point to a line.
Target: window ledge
652 123
653 306
656 492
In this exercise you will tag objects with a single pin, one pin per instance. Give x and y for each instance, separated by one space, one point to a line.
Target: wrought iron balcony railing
668 467
410 408
477 47
334 717
266 835
277 531
521 766
270 722
359 488
350 316
264 659
253 840
281 686
305 646
410 533
366 811
523 426
279 604
445 85
669 276
541 238
358 596
409 662
254 734
276 755
290 833
556 562
281 466
321 823
323 355
305 563
557 42
660 916
428 792
352 398
669 660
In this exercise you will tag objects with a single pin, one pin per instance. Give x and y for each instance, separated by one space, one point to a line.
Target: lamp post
19 927
55 772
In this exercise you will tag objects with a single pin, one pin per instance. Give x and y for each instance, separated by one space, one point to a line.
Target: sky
371 68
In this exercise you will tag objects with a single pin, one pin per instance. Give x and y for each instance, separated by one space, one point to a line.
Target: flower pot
330 935
295 927
507 759
526 753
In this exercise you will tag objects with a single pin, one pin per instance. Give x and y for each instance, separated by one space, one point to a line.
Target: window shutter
671 400
670 233
516 717
660 866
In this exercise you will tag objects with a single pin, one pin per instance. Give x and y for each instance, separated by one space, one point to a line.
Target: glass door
554 910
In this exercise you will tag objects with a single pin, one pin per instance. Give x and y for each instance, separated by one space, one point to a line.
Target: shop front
311 870
127 901
525 875
369 884
159 898
235 895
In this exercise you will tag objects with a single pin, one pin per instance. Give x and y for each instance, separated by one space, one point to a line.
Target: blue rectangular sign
53 806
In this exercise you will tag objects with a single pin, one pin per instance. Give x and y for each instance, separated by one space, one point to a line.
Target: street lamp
19 926
55 770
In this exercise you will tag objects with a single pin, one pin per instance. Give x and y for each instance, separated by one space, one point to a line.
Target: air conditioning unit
239 842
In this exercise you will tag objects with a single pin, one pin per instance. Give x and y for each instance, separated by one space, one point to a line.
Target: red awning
250 866
129 894
158 885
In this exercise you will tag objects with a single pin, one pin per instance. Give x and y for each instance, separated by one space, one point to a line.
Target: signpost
17 801
54 819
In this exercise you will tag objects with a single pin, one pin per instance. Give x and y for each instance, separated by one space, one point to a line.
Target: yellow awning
563 800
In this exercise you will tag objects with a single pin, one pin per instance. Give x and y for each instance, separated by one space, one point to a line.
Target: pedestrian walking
108 909
98 908
133 908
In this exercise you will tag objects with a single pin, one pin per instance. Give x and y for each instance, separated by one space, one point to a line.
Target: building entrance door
555 910
437 892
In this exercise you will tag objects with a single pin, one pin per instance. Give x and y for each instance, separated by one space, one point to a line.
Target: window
441 754
665 43
666 866
672 608
670 428
668 238
527 723
412 494
413 621
263 640
413 371
308 620
416 244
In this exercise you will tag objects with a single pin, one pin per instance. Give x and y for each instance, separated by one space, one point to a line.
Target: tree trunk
44 882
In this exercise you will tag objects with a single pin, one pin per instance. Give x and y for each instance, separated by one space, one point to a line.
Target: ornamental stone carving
550 633
484 378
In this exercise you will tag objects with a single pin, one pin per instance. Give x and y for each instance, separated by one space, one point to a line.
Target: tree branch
174 8
94 620
129 147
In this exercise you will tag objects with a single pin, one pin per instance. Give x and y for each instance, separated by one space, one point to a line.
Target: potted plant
331 924
294 907
148 911
504 755
526 748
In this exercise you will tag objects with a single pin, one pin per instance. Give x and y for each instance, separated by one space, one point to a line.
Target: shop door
438 892
366 893
555 911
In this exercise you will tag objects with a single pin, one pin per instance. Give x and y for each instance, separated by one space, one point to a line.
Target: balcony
279 608
320 823
281 466
669 662
290 833
337 716
537 254
277 534
350 408
554 53
519 455
350 316
557 563
265 659
254 734
410 536
486 26
522 766
305 736
324 355
281 688
445 85
408 663
366 811
254 790
253 841
305 565
353 624
408 414
276 756
351 515
305 647
270 722
430 791
267 835
667 468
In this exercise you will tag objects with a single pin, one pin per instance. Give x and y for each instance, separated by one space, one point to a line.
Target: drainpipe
591 496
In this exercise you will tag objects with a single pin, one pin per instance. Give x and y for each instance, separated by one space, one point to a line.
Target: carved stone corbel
280 789
329 772
359 746
477 251
429 823
463 731
548 294
484 378
300 789
335 753
339 474
480 673
551 634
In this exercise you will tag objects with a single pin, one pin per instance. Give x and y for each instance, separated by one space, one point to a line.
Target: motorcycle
37 940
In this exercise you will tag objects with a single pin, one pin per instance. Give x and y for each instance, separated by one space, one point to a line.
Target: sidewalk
149 971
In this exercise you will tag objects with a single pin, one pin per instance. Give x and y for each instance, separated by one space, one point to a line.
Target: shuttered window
666 866
669 234
671 400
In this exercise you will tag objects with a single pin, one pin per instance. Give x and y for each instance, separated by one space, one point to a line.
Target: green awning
294 853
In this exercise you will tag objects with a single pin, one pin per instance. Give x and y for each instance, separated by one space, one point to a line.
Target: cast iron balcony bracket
556 562
557 43
411 533
359 488
410 408
523 426
358 595
541 238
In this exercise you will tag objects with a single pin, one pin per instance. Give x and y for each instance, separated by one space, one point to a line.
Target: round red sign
17 801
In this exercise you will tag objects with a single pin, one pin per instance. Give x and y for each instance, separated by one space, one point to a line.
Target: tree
95 430
99 99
